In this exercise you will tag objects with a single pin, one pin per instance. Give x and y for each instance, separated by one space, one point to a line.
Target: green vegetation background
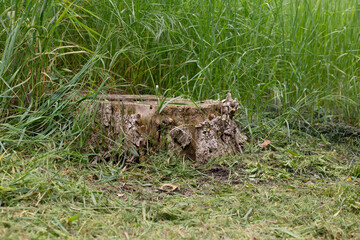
293 64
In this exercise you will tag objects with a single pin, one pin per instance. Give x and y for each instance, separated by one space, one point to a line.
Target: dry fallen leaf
126 235
168 187
181 233
337 213
147 185
265 144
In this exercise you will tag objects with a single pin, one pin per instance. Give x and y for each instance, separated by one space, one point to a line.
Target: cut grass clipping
303 189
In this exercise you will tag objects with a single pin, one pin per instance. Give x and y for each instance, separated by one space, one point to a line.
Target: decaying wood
139 123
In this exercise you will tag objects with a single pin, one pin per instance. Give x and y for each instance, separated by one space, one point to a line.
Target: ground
301 186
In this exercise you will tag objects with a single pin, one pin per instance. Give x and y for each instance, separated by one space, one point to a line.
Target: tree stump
138 124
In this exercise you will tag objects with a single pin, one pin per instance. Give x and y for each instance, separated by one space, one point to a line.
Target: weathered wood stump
199 130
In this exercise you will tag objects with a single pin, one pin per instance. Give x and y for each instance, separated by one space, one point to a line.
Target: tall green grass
298 58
